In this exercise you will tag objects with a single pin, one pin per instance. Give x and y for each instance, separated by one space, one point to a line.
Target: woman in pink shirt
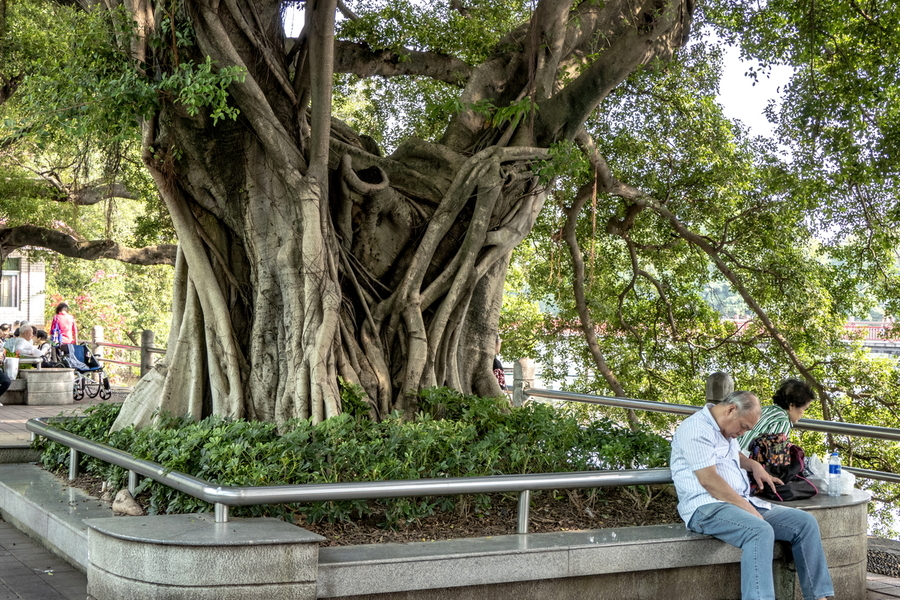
62 328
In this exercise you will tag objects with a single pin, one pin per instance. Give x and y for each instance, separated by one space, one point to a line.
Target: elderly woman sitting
767 442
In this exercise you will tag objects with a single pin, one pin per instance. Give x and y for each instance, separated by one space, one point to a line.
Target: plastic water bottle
834 475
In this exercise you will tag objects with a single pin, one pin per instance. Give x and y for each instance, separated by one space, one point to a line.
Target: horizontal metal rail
869 474
868 431
93 344
224 496
125 347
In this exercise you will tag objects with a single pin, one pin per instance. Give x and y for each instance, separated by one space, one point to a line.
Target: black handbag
783 460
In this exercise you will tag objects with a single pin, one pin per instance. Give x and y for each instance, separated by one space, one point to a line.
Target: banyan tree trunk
307 257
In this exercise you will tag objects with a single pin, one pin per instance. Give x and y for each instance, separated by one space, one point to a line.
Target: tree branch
650 33
742 290
613 186
545 45
587 192
360 60
62 243
345 10
96 192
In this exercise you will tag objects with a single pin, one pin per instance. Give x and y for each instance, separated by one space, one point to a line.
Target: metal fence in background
835 427
146 350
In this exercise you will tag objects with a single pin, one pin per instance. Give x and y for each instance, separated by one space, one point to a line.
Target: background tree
799 243
63 159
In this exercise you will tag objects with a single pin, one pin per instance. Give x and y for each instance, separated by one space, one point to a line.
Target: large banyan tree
306 255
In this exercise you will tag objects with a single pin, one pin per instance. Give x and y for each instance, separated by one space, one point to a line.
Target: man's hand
752 510
762 477
719 489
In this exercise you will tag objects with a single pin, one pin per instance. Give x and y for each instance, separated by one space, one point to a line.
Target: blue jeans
756 538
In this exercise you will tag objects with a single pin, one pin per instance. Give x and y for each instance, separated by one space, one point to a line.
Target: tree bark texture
305 256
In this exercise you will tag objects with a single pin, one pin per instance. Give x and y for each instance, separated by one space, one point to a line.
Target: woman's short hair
793 392
61 307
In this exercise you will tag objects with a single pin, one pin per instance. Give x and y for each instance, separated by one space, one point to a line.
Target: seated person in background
10 342
24 347
776 421
710 476
4 331
41 343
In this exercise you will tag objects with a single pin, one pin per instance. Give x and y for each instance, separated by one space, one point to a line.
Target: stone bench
655 562
41 387
660 561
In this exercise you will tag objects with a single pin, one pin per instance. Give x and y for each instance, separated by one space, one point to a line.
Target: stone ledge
41 387
540 566
44 507
395 568
495 567
192 550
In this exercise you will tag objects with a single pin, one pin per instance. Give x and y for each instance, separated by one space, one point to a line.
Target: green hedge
454 436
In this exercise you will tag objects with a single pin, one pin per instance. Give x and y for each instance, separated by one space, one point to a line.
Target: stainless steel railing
223 497
868 431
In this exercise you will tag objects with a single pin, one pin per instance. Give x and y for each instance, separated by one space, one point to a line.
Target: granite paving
31 572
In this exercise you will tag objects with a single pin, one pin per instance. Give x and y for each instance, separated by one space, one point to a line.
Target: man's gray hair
743 400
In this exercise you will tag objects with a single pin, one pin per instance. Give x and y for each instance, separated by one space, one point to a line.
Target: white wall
32 300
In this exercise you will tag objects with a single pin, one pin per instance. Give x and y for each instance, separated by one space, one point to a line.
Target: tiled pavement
882 587
28 571
14 416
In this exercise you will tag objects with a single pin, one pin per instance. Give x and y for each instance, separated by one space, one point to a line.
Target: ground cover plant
454 435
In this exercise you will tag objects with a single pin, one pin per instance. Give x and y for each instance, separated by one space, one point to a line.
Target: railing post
97 337
146 344
73 464
523 378
718 385
132 482
221 511
524 507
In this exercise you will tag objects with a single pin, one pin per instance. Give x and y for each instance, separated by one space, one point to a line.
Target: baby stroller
90 378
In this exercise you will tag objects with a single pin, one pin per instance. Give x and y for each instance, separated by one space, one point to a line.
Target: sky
741 99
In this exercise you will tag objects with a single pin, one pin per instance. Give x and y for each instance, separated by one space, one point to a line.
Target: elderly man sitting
710 476
24 347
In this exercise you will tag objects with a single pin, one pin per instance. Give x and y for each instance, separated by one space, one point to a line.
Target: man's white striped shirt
698 443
